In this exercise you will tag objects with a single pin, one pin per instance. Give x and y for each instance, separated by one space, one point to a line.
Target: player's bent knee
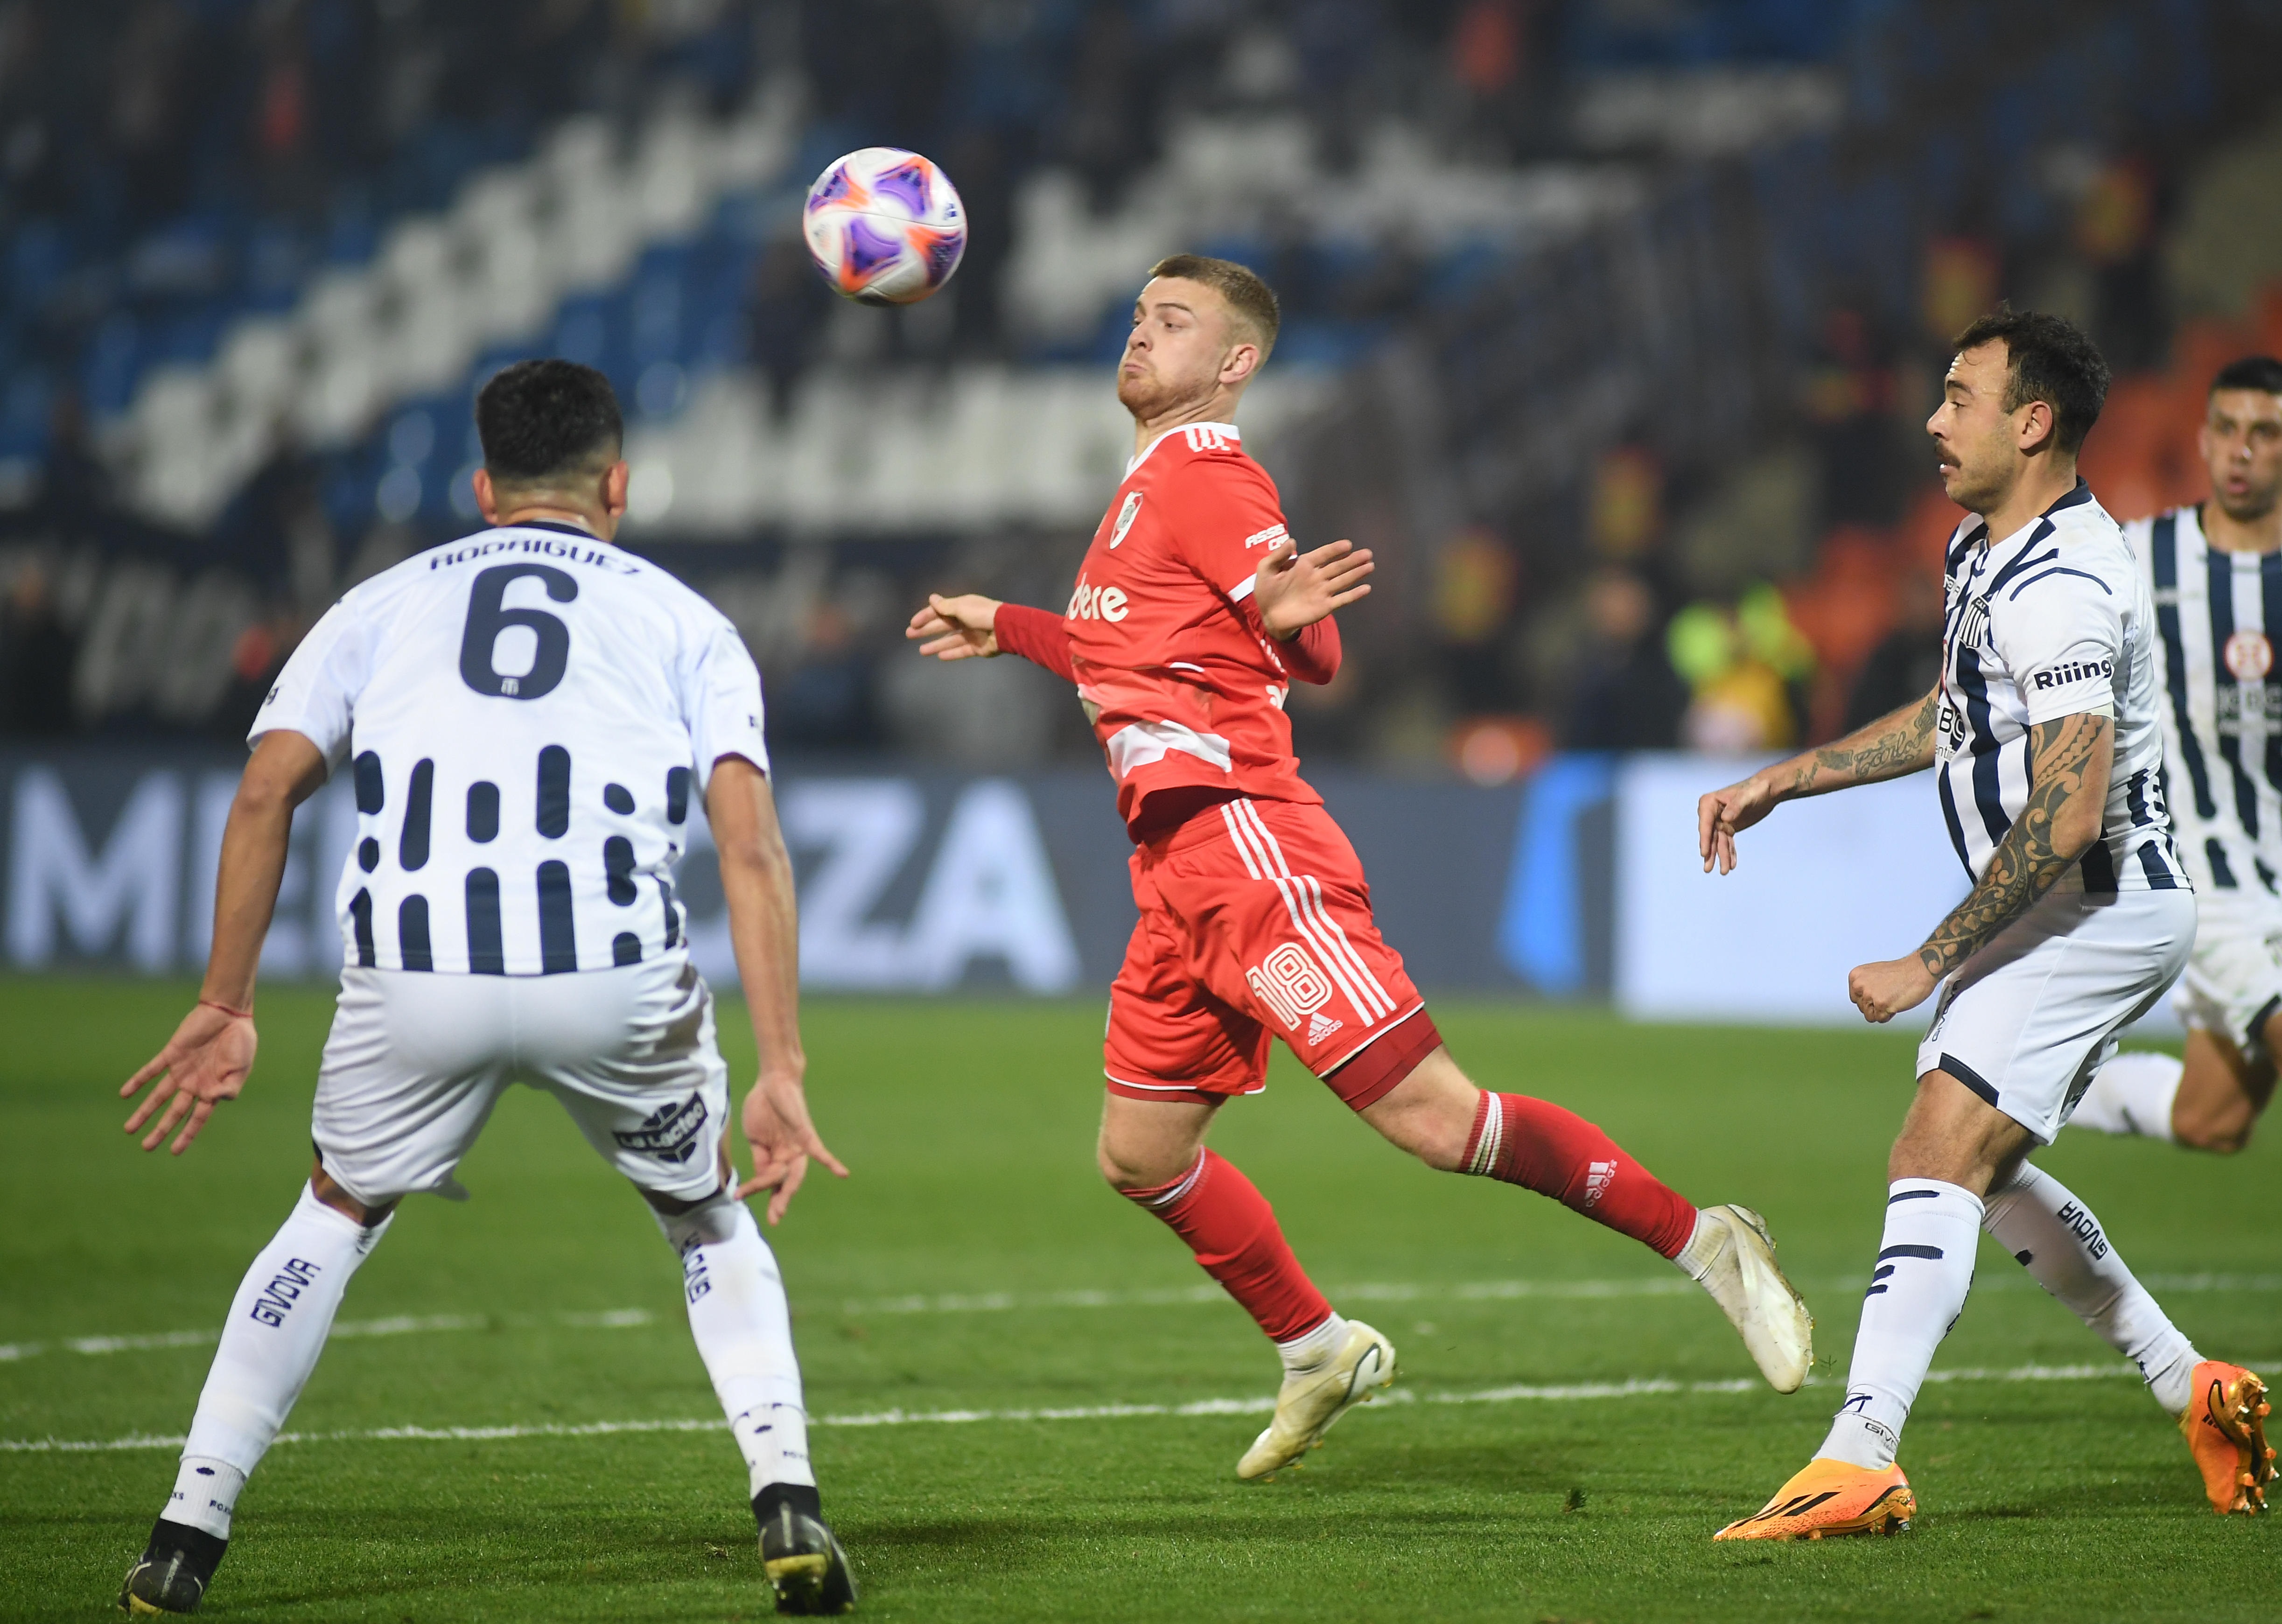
705 1223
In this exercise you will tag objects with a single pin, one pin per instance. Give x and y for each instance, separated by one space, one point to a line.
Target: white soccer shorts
2234 977
416 1061
2031 1016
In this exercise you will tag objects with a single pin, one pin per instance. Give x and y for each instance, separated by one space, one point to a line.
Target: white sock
2132 1094
2058 1240
270 1343
1925 1269
743 1328
1703 1250
1302 1353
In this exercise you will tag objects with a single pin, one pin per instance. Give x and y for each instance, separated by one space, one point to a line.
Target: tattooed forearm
2068 761
1899 742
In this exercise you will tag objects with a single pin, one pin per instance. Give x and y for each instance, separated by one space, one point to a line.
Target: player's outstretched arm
1895 744
2070 759
959 628
764 928
1294 589
208 1058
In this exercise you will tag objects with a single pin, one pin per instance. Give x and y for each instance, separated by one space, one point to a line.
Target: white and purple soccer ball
884 226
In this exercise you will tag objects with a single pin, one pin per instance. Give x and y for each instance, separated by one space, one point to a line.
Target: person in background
1907 659
38 653
1628 697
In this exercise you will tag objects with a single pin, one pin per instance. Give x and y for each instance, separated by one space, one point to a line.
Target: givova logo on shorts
1291 984
669 1133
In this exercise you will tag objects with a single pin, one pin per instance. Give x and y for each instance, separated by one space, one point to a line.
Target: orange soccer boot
1828 1499
2225 1425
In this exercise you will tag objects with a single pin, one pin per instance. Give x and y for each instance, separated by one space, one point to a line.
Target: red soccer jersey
1189 691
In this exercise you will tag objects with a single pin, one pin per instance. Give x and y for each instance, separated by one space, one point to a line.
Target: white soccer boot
1310 1400
1733 1258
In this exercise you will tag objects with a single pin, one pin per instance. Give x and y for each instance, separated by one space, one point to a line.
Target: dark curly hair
544 421
2048 359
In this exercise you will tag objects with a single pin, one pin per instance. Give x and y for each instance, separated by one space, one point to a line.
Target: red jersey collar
1228 429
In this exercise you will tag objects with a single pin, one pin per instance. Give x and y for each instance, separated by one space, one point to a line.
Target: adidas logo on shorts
1321 1026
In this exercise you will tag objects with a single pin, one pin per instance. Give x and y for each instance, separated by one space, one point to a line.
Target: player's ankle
1308 1351
802 1498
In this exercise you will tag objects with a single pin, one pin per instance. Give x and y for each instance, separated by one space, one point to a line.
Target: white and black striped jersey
2216 615
529 711
2051 621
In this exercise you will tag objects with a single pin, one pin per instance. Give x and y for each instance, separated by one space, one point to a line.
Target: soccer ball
884 226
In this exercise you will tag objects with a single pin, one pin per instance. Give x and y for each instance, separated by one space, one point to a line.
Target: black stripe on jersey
2058 569
1988 793
2157 868
1966 543
2219 568
2270 612
2163 539
483 812
412 933
626 948
618 870
554 791
1956 825
486 955
367 854
360 911
2022 562
558 931
2266 875
411 845
2135 798
672 918
2222 871
677 793
2099 866
618 798
371 787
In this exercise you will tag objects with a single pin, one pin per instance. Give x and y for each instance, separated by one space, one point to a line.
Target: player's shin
1557 1152
2057 1240
276 1328
1917 1289
1232 1230
743 1330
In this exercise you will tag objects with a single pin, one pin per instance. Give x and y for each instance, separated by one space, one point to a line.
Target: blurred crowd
164 163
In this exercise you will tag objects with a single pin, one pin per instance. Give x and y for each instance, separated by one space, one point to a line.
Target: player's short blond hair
1250 300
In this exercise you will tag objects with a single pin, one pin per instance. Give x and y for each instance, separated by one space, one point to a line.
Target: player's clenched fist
1884 989
961 628
1724 813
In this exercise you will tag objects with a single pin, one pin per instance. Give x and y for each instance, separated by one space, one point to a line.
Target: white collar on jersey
1226 430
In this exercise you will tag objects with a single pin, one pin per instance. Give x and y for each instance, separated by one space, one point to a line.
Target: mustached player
1193 613
2214 573
2042 736
529 713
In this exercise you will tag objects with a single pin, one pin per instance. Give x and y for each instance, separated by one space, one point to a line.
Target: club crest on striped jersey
1973 625
2249 655
1291 984
1126 515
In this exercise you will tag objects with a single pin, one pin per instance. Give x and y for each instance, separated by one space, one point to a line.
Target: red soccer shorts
1255 922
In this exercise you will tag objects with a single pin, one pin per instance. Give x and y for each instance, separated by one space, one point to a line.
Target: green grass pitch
975 1265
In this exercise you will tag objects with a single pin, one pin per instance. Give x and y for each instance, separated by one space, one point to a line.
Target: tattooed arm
2070 759
1896 743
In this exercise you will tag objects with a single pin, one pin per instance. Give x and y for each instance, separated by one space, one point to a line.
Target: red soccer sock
1557 1152
1232 1230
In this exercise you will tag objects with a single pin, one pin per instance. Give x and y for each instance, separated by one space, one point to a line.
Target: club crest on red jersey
1126 515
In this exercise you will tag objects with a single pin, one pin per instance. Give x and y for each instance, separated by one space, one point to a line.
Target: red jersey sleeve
1039 635
1312 657
1226 517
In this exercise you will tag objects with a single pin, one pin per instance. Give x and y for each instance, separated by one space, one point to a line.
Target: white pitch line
397 1324
1001 1303
1559 1393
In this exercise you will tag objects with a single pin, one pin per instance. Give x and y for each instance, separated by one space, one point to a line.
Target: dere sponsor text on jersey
529 711
1184 690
